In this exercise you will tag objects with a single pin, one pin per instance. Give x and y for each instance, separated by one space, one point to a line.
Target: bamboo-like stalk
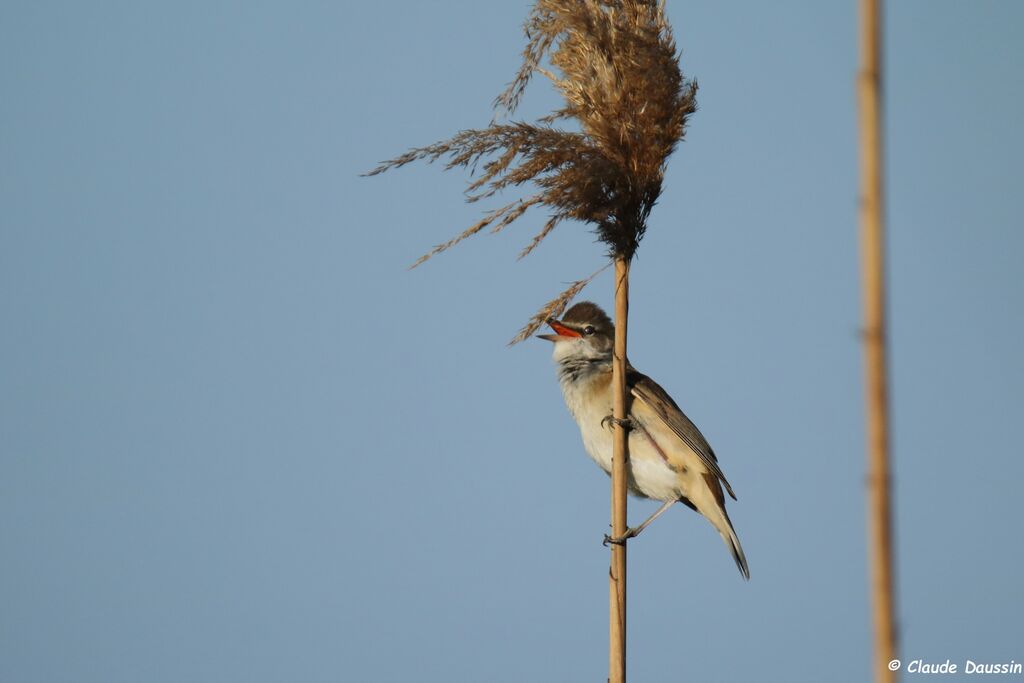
876 394
620 458
616 66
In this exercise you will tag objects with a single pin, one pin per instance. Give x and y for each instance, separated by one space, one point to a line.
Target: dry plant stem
620 458
616 66
873 276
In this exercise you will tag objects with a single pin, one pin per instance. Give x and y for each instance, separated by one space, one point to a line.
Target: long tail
711 503
732 542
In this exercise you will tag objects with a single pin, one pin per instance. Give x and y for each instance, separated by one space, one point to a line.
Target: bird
669 459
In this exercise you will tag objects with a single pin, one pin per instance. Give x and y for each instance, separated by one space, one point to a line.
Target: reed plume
616 66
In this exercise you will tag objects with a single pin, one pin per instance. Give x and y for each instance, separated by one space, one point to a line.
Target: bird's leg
633 532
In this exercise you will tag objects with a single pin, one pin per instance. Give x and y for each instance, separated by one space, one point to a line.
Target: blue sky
240 441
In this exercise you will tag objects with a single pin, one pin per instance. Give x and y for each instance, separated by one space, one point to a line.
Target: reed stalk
620 460
879 510
616 65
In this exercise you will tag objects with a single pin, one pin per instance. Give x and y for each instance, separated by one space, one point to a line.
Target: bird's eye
588 330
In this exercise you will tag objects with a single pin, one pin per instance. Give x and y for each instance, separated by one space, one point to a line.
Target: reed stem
875 353
620 458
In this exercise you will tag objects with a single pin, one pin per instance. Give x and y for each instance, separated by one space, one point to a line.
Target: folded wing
653 397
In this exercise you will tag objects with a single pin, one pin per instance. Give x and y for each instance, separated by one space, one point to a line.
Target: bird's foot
626 423
620 540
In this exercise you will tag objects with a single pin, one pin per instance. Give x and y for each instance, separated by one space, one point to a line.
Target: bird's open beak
562 332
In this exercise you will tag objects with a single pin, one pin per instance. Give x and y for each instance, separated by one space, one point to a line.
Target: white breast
649 476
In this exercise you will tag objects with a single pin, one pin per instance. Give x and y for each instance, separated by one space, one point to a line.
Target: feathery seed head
616 66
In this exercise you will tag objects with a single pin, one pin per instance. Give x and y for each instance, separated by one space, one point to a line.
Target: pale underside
662 467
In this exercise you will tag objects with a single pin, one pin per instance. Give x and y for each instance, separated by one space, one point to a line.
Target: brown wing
645 389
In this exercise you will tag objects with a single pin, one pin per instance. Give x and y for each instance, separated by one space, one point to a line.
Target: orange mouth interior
562 330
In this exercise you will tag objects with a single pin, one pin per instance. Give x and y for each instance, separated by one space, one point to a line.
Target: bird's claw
619 540
625 423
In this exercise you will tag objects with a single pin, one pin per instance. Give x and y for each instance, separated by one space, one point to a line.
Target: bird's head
584 332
